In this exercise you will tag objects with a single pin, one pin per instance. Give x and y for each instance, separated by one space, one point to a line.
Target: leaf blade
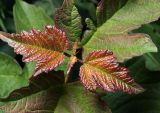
13 78
126 19
46 47
25 19
68 19
102 70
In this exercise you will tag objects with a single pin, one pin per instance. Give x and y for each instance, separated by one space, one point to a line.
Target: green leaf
41 102
107 8
146 102
11 75
49 5
76 100
152 59
131 16
87 9
40 96
91 28
63 66
28 16
55 98
123 46
68 20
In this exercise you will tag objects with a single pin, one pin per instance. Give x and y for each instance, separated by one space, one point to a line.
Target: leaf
123 46
91 28
76 100
68 20
63 66
46 47
146 102
11 75
87 9
25 19
107 8
49 6
101 69
152 59
40 97
54 98
131 16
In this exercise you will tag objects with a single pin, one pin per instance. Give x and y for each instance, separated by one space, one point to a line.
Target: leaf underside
46 47
102 70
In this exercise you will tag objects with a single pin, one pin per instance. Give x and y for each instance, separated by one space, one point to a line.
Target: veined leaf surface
68 19
101 69
134 14
46 47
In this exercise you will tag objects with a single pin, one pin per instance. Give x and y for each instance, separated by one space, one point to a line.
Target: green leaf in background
107 8
40 96
68 20
55 98
87 9
11 75
63 66
91 28
49 5
152 59
28 16
76 100
5 48
146 102
131 16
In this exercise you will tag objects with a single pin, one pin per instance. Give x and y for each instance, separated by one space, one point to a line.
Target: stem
67 75
79 60
66 78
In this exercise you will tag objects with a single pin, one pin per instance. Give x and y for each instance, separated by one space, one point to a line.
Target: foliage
84 39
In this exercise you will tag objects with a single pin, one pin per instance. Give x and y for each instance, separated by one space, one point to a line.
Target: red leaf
46 47
101 69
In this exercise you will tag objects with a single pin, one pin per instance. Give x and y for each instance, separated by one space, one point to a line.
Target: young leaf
100 69
68 19
131 16
28 16
87 9
46 47
91 28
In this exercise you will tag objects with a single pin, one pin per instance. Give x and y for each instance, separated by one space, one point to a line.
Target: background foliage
145 69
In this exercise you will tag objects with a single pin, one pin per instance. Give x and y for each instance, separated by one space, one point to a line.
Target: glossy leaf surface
46 47
101 69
